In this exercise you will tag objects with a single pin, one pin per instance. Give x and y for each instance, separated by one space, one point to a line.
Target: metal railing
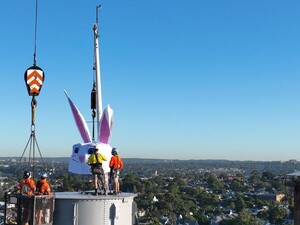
28 209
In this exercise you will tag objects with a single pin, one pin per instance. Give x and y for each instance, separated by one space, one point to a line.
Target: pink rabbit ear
106 124
80 122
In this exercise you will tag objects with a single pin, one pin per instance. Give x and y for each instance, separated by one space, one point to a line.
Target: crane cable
35 31
33 101
34 78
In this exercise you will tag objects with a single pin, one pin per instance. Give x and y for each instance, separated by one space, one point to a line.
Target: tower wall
73 208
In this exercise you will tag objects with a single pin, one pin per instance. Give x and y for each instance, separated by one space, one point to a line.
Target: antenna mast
97 68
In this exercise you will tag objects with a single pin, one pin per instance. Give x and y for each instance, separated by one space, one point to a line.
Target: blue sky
193 79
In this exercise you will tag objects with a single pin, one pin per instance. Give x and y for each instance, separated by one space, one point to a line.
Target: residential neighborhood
188 192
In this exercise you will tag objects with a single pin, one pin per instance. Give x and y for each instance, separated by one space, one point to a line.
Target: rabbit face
79 157
80 154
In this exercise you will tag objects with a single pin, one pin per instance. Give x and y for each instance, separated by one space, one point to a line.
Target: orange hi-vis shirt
43 187
27 186
116 162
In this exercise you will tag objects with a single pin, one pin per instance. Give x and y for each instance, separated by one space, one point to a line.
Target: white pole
98 79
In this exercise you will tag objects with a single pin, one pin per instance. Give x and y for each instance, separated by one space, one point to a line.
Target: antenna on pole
97 69
97 13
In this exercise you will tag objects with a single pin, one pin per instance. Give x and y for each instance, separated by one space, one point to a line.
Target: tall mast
97 68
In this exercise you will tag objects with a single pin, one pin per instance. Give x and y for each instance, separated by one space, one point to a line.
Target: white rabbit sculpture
82 151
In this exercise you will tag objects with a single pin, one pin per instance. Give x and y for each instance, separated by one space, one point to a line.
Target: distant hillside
278 167
46 159
66 160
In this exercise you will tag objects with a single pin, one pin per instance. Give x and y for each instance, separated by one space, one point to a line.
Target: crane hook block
34 77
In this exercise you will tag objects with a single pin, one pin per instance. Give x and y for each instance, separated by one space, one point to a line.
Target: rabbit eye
90 151
76 150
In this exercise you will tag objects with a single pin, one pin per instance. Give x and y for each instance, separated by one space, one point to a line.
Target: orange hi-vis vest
43 187
116 162
27 186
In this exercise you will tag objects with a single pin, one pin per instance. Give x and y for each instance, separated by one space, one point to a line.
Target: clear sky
196 79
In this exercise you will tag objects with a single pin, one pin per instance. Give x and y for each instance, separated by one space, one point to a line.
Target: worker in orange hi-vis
115 165
43 211
27 187
42 186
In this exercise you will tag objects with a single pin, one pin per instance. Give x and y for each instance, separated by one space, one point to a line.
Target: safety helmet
27 174
44 175
114 151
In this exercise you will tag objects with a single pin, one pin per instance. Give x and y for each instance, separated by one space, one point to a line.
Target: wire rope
35 31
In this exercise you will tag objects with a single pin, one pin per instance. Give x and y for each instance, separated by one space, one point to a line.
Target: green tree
254 177
276 214
237 186
155 221
267 175
263 215
179 180
131 182
239 203
202 218
245 218
159 181
205 199
1 193
214 183
228 222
